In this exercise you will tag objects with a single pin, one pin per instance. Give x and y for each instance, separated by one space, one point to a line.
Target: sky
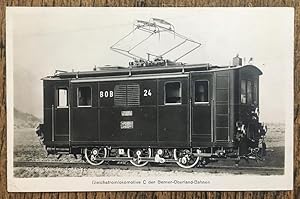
46 39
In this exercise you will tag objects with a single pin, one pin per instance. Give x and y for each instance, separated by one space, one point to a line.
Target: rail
157 167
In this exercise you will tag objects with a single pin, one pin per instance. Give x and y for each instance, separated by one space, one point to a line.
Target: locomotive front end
250 133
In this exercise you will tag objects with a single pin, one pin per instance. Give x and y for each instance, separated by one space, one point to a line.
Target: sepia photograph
116 99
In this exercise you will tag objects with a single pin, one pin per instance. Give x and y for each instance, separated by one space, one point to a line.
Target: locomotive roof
121 71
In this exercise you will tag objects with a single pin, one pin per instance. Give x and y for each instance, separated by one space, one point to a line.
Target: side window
243 91
173 93
84 96
255 92
249 92
201 91
62 98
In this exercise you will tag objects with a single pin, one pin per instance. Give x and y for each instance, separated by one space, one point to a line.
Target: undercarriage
139 157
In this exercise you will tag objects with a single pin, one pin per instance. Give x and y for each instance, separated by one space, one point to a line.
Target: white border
217 183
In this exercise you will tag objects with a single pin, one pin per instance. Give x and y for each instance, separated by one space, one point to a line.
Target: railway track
152 167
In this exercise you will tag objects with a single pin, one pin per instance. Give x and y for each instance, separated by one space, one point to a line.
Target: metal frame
152 27
52 124
126 78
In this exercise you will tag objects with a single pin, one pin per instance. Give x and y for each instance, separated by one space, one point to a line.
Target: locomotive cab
250 133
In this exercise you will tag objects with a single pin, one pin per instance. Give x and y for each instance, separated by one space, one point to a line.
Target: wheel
136 154
91 155
185 159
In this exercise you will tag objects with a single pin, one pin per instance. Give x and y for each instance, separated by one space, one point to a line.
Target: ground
28 148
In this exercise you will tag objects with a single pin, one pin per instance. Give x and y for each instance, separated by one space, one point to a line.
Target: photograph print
117 99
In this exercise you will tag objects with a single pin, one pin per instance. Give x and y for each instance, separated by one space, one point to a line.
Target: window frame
252 91
245 80
165 93
77 93
57 97
249 90
208 93
255 92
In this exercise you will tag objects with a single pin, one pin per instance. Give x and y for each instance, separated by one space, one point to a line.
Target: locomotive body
188 114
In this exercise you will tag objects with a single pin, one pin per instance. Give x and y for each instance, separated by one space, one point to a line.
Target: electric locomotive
155 111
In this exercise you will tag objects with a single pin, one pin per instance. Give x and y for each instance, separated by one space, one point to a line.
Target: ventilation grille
133 95
127 95
120 95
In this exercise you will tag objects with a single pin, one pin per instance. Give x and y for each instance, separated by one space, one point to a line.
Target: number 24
147 93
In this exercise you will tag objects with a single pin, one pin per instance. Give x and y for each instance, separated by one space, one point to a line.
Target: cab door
84 112
173 113
201 107
60 112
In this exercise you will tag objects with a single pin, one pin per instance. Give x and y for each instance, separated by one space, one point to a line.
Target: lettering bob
155 110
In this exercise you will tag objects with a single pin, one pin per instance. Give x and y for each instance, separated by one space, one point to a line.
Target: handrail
52 124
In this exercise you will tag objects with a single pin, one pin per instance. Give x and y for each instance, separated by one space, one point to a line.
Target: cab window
255 91
249 92
62 97
84 96
173 93
201 91
243 92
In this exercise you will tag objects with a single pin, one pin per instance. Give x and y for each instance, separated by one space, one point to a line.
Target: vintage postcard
120 99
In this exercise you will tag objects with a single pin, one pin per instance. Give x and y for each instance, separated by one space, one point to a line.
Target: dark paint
154 123
222 102
201 112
